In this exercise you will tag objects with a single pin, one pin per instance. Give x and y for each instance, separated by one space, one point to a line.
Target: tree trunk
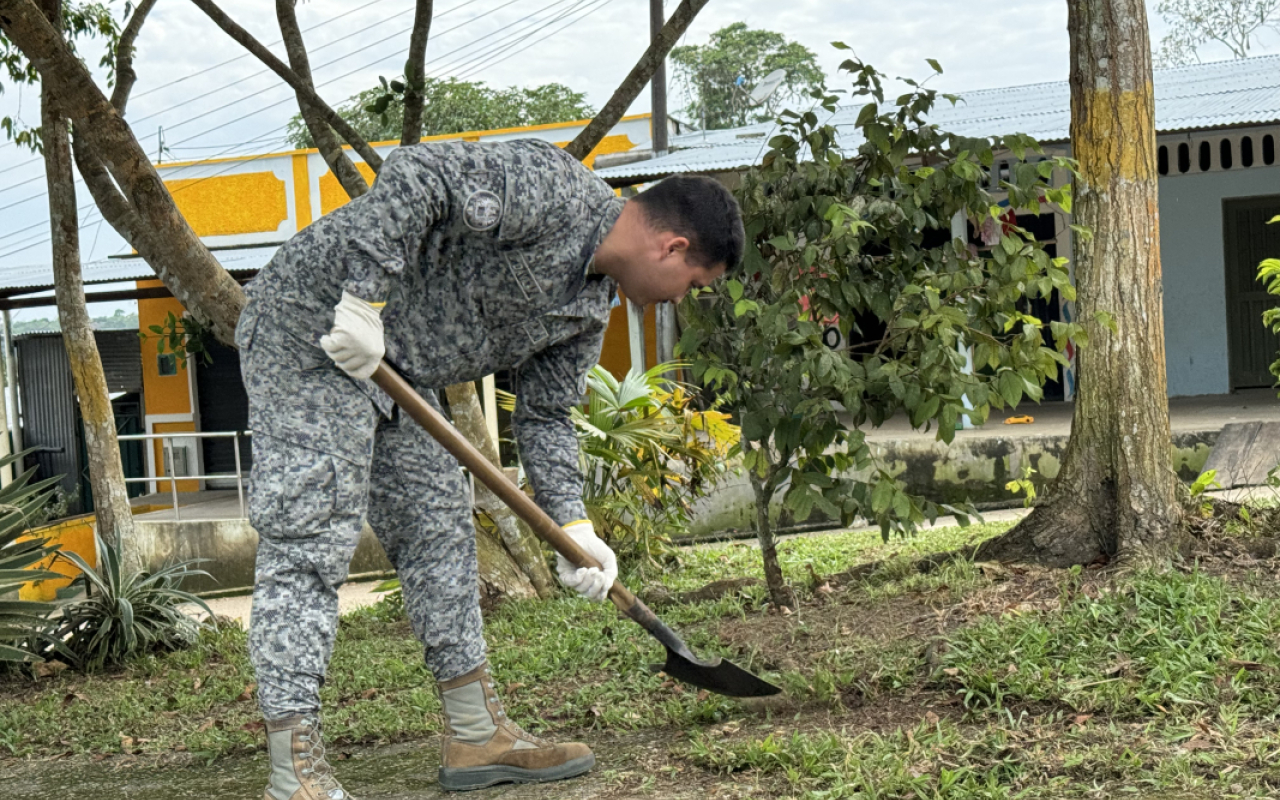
415 74
636 80
500 576
326 140
106 474
763 489
155 228
468 418
1116 494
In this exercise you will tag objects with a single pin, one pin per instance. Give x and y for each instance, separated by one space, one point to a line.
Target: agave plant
121 615
22 622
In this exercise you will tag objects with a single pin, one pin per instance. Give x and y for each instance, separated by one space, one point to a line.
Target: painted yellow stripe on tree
252 202
1114 136
301 192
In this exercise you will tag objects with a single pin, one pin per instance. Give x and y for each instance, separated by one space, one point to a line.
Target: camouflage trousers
324 459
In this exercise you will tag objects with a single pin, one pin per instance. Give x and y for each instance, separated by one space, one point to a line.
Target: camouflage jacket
481 253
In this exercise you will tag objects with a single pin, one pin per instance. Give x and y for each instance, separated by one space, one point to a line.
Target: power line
488 52
246 54
273 87
353 72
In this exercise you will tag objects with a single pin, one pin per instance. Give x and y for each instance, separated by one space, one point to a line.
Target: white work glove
591 583
355 342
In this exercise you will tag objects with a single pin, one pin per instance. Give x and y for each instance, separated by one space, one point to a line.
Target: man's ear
676 244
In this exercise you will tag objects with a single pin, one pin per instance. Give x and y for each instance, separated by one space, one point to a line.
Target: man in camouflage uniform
463 259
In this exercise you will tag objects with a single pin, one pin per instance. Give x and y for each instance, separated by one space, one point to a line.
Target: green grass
1160 685
1174 644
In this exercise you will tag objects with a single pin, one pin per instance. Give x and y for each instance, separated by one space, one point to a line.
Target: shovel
716 675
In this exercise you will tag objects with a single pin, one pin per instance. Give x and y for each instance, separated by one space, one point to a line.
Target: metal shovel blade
715 675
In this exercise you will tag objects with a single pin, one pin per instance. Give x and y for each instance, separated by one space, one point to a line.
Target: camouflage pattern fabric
481 253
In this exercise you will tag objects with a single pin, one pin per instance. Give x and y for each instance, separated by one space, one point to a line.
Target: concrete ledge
975 469
230 545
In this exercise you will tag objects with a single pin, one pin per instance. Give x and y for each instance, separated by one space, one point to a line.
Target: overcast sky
213 99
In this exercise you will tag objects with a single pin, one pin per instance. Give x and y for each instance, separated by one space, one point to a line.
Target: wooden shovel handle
443 432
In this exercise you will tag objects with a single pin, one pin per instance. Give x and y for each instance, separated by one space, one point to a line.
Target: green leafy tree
1269 275
1195 23
452 106
708 74
861 239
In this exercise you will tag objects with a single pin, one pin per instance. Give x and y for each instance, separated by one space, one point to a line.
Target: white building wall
1193 260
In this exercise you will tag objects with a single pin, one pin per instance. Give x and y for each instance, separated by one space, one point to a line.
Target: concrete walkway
350 597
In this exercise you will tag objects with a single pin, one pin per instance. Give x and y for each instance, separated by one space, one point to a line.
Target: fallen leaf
951 672
368 694
932 718
703 695
1012 668
1080 720
253 727
126 742
512 687
1197 742
247 694
72 697
195 687
1252 666
204 726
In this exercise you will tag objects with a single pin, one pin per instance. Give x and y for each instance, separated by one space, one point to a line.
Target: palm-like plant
22 622
125 615
647 454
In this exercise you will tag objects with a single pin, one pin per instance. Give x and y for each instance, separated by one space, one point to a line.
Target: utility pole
664 313
658 85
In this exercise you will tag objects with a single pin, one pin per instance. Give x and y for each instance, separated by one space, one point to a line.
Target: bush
24 625
647 455
124 616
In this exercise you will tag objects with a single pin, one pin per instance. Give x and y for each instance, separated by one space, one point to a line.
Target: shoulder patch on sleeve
482 211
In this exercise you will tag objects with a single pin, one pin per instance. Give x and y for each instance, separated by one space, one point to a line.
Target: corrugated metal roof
1199 97
36 277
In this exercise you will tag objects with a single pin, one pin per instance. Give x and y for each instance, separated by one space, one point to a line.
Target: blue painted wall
1193 261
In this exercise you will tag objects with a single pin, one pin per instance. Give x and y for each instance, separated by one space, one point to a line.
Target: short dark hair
703 211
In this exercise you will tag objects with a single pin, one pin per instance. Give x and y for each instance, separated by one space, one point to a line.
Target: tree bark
468 418
762 488
415 73
106 474
639 77
155 229
125 75
500 577
1117 492
326 141
300 86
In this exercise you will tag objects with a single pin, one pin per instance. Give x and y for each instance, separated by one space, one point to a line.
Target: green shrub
647 455
23 623
122 616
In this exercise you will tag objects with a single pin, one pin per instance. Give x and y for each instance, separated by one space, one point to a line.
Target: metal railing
167 443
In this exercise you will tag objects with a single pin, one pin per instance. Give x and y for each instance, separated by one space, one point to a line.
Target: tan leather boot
299 770
482 747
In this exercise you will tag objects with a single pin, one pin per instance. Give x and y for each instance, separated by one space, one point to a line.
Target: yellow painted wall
76 536
332 195
164 394
225 205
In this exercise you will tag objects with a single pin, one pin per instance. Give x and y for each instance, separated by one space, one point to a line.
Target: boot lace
318 769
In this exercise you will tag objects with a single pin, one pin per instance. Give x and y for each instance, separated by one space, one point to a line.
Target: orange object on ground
1019 420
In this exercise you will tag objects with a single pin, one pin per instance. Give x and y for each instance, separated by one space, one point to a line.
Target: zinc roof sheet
1199 97
37 277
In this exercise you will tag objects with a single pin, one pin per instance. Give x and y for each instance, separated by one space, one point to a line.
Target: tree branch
639 77
326 141
300 87
125 76
162 237
415 74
